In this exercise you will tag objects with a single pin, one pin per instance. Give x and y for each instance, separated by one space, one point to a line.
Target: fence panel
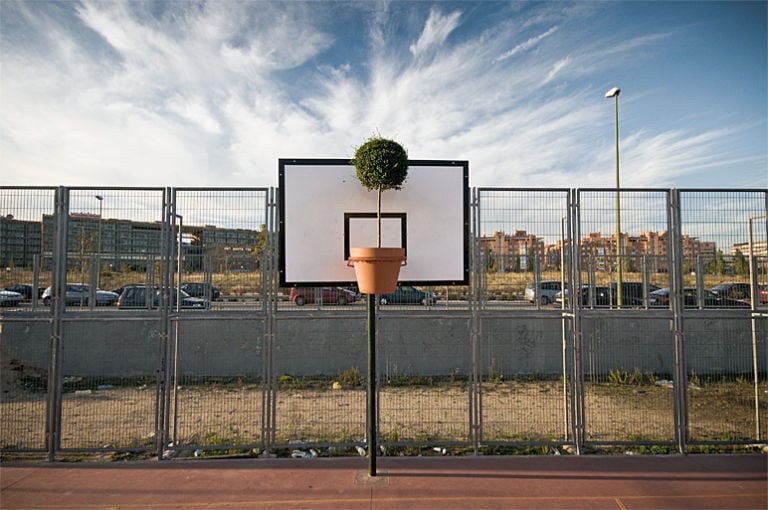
109 371
523 239
26 265
628 360
725 342
216 394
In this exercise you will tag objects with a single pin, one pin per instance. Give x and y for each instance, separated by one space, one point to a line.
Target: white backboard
324 210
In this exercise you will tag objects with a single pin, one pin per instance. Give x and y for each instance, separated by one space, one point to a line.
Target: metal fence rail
568 333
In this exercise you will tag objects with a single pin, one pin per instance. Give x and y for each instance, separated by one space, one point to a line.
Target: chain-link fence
151 320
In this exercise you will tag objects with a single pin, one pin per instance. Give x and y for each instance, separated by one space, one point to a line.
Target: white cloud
215 93
527 45
195 110
557 68
436 30
663 158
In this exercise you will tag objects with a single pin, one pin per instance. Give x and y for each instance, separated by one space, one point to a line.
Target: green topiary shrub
381 164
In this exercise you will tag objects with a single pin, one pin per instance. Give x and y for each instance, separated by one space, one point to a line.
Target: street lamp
614 93
98 249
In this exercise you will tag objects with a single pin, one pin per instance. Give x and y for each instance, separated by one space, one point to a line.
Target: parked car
325 295
201 290
691 299
732 290
407 294
26 290
632 295
762 294
10 298
120 290
602 296
79 294
141 296
545 294
583 295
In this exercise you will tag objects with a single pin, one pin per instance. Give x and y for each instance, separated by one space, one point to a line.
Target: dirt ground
102 415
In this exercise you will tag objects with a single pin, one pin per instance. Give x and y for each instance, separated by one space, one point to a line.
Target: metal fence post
754 301
59 289
269 291
162 431
675 249
477 268
566 323
577 370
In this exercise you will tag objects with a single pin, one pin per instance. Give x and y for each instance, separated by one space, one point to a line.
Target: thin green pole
371 407
618 208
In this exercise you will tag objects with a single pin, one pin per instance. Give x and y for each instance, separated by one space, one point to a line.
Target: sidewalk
445 483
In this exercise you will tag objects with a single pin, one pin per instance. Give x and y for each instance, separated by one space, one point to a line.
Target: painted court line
619 500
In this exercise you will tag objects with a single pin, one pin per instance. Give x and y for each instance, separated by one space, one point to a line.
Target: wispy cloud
436 30
664 158
214 93
527 45
557 69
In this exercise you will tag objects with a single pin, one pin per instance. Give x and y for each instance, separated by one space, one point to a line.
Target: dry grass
230 414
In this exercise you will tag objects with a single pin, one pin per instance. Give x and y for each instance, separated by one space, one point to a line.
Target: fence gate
522 240
215 398
621 402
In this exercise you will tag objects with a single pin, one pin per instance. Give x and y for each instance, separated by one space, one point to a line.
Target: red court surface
445 483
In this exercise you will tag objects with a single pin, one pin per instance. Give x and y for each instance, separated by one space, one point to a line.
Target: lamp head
98 197
614 92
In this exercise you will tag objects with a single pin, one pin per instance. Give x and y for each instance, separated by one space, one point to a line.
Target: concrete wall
320 344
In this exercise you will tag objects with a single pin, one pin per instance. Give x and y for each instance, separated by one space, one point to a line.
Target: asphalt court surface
445 483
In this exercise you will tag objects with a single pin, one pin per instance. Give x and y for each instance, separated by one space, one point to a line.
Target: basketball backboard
324 210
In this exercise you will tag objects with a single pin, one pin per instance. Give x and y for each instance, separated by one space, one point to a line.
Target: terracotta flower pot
377 269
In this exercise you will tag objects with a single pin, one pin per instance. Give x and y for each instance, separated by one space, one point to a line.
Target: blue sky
213 93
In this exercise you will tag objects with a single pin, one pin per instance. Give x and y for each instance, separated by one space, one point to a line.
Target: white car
546 293
10 298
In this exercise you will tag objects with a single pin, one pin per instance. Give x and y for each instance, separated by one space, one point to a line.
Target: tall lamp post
98 249
614 93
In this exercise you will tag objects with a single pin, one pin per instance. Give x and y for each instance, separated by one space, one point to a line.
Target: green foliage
740 263
351 377
381 164
620 377
396 378
410 380
495 373
718 266
288 381
693 378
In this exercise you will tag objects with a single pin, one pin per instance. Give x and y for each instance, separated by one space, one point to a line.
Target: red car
762 294
323 295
